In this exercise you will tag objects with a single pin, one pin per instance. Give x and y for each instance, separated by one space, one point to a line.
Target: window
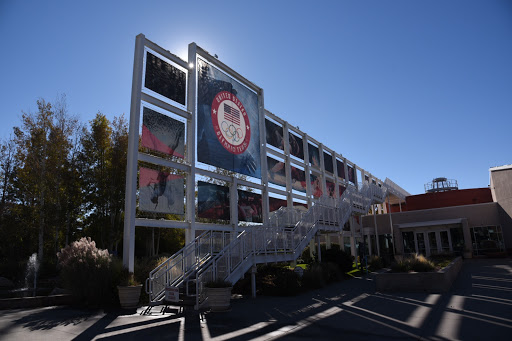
487 239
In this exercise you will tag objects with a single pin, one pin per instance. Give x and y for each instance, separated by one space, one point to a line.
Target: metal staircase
222 255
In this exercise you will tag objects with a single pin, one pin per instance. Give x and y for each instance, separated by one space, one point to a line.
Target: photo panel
165 78
296 146
351 174
276 172
328 162
314 156
162 133
340 169
212 201
249 207
298 179
331 189
341 189
316 185
161 192
274 203
227 122
300 205
274 134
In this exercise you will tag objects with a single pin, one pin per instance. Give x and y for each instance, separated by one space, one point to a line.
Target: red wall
447 199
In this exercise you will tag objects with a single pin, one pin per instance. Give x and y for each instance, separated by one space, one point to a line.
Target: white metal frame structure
229 250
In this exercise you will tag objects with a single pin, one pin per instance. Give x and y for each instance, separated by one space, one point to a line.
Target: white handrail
274 242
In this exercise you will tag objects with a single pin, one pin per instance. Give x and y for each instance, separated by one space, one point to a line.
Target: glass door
445 241
432 243
420 237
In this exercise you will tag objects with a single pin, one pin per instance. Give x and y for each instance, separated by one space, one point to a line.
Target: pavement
478 307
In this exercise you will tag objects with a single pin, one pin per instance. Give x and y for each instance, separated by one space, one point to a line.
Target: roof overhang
430 223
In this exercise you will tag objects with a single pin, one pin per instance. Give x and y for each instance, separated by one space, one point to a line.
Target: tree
43 143
37 158
7 167
103 158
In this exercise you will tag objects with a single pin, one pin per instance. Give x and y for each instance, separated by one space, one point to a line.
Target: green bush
86 271
313 277
306 256
271 280
417 263
375 262
337 256
332 272
287 283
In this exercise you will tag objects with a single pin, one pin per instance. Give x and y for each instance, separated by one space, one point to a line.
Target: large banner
328 162
341 189
276 172
274 134
163 133
227 122
249 207
212 201
165 79
331 188
314 156
341 169
351 175
160 192
274 204
316 185
296 146
298 179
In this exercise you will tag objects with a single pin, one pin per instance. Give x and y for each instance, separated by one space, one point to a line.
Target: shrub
86 271
306 256
375 262
287 283
313 277
417 263
331 272
337 256
420 264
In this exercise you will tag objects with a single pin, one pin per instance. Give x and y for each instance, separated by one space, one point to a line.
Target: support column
376 231
391 226
370 252
190 233
253 281
233 199
312 247
319 249
132 157
353 250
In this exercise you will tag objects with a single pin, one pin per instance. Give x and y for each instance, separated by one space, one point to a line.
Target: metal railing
184 263
204 260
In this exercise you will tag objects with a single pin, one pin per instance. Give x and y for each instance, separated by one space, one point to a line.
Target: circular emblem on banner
230 122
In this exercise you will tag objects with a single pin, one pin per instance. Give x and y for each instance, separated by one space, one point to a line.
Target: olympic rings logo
230 122
231 132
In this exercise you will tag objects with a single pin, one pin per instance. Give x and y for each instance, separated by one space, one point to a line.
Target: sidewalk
479 307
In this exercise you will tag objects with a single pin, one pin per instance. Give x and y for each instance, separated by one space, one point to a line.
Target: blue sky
409 90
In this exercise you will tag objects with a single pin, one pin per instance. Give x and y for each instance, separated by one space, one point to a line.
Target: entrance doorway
430 242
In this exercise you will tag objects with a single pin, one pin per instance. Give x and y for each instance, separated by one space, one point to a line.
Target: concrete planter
129 296
431 282
219 299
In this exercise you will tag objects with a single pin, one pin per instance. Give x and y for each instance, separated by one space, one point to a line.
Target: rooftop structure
441 185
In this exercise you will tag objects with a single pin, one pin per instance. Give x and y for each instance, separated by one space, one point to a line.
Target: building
447 219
